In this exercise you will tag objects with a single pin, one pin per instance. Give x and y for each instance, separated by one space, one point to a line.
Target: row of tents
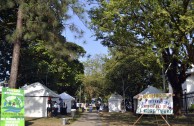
115 101
36 99
37 95
187 86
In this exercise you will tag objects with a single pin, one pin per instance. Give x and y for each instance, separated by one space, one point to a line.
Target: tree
7 16
163 27
94 81
128 75
38 18
60 72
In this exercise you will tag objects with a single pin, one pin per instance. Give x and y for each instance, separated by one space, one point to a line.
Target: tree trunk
177 100
16 50
176 76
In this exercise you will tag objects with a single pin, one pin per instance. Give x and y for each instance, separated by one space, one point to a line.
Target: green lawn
52 121
126 119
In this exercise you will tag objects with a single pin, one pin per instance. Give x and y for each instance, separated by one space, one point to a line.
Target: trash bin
64 121
73 112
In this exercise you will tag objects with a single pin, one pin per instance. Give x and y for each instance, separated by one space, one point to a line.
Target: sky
91 46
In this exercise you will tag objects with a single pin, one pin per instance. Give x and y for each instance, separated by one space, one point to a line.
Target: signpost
157 104
12 107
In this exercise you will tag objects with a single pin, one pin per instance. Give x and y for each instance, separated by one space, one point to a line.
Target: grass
52 121
117 119
128 118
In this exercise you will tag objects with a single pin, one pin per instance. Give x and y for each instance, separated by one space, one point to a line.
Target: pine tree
37 19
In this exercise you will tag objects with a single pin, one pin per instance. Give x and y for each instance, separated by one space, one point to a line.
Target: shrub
191 108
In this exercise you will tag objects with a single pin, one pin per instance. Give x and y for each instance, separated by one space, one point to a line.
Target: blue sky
91 46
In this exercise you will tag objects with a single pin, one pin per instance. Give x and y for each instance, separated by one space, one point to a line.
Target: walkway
88 119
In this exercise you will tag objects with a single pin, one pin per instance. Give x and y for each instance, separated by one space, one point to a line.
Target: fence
188 102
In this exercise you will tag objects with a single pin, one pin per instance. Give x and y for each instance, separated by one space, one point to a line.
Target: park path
88 119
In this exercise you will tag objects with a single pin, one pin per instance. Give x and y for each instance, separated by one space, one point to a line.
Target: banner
12 107
161 103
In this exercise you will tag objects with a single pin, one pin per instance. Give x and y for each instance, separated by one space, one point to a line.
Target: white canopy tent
188 87
114 103
68 99
36 98
148 90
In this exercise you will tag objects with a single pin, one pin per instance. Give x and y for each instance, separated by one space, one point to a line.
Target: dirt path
88 119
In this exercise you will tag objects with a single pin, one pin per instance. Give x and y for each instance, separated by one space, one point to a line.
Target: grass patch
52 121
128 118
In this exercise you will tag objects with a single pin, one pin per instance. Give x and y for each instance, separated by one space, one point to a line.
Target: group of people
55 108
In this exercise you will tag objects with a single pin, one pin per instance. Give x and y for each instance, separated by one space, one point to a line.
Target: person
61 106
82 106
65 108
97 106
90 108
101 107
55 108
49 107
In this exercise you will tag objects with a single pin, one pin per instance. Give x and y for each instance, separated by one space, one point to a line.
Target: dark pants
65 111
55 111
49 111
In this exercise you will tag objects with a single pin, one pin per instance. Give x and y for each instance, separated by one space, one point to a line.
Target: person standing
61 106
65 108
55 108
97 107
58 109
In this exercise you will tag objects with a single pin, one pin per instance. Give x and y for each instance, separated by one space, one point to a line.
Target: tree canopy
163 28
32 30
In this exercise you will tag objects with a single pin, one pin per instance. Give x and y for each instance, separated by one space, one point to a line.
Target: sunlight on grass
128 118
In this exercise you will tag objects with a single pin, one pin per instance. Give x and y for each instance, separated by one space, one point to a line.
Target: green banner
12 107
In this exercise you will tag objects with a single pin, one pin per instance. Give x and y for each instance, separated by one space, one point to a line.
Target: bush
191 108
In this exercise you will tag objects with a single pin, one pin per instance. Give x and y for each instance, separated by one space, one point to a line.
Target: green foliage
45 54
94 81
124 70
57 72
7 16
191 108
163 29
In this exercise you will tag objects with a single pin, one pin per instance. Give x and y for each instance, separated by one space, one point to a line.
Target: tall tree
57 71
7 17
130 75
94 81
38 18
165 27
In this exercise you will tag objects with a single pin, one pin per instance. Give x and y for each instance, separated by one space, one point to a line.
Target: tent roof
115 97
190 71
38 89
148 90
66 96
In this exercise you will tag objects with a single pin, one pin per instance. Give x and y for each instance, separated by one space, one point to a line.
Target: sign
161 103
12 107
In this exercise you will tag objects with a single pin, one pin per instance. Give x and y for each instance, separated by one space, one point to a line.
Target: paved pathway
88 119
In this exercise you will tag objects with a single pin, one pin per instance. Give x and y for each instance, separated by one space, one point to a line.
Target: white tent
68 99
188 87
148 90
114 103
36 98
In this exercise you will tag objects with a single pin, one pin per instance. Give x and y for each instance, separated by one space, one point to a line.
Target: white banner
161 103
